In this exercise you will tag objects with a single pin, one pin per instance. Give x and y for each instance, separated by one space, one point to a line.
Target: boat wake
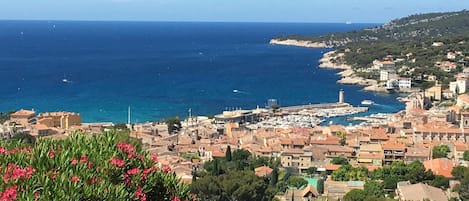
236 91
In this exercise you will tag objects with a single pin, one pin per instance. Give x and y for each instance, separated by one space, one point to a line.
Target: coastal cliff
299 43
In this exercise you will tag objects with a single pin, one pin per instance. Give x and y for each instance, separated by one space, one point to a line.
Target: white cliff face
300 43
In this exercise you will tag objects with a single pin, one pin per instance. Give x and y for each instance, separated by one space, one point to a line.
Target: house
339 151
62 120
447 94
378 135
301 159
23 117
387 65
446 66
434 93
463 101
263 171
440 166
459 149
406 191
337 189
307 193
404 83
459 86
451 55
41 130
393 151
370 154
437 44
418 153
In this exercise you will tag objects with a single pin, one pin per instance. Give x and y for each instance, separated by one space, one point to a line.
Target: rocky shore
347 74
299 43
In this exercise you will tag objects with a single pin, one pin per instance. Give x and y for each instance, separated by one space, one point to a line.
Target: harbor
303 116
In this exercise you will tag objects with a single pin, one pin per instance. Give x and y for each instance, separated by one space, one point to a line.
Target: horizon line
188 21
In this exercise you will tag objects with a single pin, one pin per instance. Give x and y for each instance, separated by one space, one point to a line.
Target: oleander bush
85 167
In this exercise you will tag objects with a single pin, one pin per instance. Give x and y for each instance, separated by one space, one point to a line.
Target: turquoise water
163 69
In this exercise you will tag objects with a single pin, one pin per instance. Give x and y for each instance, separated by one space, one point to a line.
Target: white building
383 75
459 86
404 83
451 55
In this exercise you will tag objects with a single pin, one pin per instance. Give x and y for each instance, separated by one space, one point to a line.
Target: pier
298 108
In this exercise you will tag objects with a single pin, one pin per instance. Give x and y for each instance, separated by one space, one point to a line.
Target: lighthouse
341 96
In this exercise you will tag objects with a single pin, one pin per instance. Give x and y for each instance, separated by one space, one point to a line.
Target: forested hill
408 28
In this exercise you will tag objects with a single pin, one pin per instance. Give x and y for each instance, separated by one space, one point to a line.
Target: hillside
407 28
420 45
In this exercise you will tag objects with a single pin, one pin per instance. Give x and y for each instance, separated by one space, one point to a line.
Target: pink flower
127 180
36 195
154 157
133 171
166 169
51 153
176 199
140 195
117 162
15 172
9 193
125 147
90 164
145 173
75 179
83 158
2 150
74 161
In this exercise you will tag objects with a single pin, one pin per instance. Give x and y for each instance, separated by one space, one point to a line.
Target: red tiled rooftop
440 166
263 171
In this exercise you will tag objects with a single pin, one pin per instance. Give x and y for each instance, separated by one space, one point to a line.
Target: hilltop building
23 117
63 120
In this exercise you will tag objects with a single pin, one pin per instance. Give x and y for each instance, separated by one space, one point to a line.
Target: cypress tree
228 153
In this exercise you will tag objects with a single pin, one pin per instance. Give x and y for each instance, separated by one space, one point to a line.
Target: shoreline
348 75
299 43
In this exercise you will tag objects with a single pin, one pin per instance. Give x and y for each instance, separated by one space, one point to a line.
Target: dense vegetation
462 174
413 34
84 167
440 151
233 178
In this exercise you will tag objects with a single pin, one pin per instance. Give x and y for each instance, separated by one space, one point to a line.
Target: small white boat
367 102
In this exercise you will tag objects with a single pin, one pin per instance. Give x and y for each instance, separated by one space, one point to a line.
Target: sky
366 11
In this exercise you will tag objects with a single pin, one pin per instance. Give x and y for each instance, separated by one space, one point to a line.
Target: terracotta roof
23 112
294 151
344 149
299 141
461 147
440 166
371 148
41 127
393 145
387 62
421 192
309 189
332 167
378 134
263 171
218 154
285 141
370 156
464 98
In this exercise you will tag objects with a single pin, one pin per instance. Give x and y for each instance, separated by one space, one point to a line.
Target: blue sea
163 69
